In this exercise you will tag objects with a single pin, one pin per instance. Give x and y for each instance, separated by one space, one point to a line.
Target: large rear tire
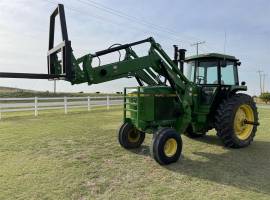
166 146
231 121
129 137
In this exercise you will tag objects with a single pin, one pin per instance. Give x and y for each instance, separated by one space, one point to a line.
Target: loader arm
149 69
156 68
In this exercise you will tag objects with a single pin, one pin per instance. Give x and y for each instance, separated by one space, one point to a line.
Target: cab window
207 72
228 74
189 70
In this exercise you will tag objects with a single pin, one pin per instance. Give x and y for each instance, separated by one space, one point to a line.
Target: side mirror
243 83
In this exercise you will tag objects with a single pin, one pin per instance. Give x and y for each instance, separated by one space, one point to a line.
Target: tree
265 97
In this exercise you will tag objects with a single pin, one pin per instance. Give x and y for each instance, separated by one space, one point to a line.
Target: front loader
174 96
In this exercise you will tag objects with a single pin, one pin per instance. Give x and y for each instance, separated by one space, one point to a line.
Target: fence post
36 106
88 103
108 102
65 104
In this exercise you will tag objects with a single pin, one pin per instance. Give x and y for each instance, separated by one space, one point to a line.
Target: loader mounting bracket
63 66
57 68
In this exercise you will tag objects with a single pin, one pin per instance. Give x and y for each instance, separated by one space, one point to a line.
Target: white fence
36 104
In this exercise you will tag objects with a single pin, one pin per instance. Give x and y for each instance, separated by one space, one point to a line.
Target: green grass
77 156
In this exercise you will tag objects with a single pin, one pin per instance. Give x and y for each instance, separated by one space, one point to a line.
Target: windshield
207 72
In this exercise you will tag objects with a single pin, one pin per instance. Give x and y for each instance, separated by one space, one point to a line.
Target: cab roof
211 55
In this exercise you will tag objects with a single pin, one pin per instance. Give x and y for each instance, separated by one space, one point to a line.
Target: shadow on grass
142 150
210 139
246 168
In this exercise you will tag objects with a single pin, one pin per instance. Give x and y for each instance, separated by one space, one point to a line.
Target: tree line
265 97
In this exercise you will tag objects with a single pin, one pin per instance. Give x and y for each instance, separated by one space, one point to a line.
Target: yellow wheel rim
133 136
170 147
243 130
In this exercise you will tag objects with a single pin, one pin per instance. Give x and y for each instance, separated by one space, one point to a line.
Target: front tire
129 137
166 146
231 118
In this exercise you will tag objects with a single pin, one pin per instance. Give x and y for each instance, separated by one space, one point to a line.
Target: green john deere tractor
175 96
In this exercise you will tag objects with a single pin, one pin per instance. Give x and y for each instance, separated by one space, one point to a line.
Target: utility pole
260 74
197 46
263 76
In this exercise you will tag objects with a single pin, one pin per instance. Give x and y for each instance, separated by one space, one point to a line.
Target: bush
265 97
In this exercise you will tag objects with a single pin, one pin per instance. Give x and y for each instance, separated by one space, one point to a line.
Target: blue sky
24 34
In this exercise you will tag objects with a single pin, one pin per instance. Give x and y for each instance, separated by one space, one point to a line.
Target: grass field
77 156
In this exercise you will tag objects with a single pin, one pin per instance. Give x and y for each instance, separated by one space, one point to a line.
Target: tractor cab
212 69
213 73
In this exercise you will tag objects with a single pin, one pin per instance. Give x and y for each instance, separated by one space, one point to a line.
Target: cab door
206 77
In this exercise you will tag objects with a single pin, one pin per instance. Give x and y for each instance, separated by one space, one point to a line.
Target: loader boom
153 69
146 69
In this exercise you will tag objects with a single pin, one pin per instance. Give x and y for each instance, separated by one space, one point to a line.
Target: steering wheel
200 78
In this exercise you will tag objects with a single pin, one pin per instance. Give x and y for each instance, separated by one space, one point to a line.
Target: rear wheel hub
242 129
